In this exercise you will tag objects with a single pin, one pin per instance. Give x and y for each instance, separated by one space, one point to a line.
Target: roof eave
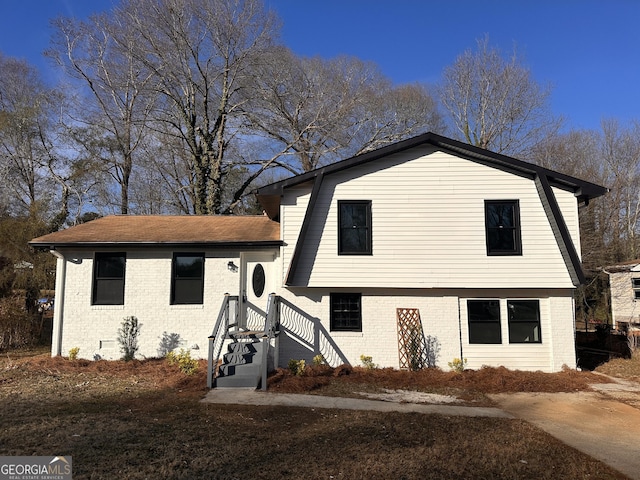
198 244
584 190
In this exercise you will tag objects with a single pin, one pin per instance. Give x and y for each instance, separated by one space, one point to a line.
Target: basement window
346 312
524 321
484 321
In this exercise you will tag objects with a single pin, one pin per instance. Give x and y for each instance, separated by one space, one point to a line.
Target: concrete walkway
597 423
250 396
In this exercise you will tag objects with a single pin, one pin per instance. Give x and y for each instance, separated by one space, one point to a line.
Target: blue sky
588 50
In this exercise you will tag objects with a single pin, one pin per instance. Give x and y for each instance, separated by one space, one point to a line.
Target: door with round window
257 283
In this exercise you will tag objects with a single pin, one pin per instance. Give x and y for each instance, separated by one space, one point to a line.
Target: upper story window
502 223
484 321
635 284
108 278
187 282
354 227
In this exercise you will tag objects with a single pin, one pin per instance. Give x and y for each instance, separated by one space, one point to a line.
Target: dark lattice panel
411 344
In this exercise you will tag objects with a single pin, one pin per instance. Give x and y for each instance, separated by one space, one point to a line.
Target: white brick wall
305 319
94 328
441 319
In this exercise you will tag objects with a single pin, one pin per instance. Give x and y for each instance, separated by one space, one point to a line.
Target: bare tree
494 103
392 113
37 174
609 226
620 152
313 111
99 53
198 52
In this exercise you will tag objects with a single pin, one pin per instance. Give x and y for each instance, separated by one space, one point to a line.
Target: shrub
319 360
297 367
128 337
367 362
457 365
18 328
183 360
73 353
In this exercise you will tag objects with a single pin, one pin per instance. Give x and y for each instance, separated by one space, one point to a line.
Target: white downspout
61 274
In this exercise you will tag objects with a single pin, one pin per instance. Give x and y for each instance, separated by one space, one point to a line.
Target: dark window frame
493 233
635 285
108 289
367 248
528 323
193 297
340 305
482 328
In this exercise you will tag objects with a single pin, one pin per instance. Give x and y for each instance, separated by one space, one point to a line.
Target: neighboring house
485 247
624 284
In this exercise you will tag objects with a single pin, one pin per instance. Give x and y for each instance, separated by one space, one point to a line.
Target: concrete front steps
241 365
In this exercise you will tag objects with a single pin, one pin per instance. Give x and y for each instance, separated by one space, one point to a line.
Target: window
484 321
108 279
524 321
635 284
187 286
346 312
354 234
502 223
258 280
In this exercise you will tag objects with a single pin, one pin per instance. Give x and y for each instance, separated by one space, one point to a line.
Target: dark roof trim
256 244
560 230
583 190
297 252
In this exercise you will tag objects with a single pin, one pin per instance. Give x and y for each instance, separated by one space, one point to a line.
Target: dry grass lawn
144 420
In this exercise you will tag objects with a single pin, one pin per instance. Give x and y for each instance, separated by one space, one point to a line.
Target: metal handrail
218 335
271 320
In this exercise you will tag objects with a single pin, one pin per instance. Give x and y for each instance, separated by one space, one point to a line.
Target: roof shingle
166 229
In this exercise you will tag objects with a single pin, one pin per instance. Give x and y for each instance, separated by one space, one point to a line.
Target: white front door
257 282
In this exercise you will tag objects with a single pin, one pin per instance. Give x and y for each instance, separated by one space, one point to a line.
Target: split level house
481 248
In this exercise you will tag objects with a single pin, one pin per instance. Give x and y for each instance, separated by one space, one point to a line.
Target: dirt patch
470 387
409 396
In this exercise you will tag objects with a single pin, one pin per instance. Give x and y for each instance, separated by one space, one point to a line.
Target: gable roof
628 266
269 195
167 230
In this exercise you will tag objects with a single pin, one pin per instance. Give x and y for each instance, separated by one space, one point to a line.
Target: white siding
428 228
624 306
294 206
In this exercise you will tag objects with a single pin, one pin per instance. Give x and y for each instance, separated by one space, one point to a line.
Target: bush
183 360
457 365
367 362
128 337
73 353
18 328
297 367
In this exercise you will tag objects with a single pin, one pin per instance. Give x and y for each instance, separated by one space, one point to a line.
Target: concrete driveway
597 423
